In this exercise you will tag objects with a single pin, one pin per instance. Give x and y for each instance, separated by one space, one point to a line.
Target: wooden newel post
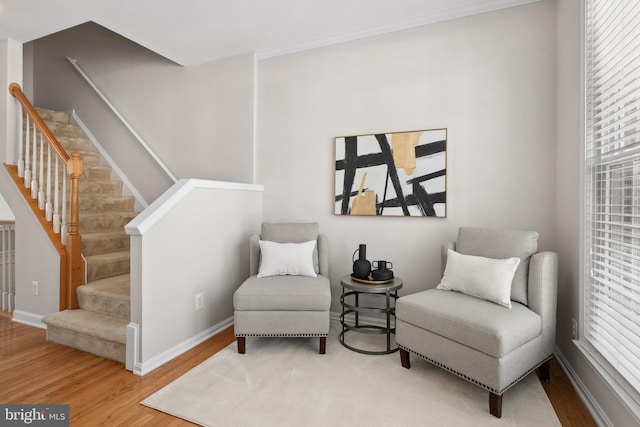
75 264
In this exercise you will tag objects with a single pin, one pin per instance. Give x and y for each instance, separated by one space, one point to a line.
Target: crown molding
404 24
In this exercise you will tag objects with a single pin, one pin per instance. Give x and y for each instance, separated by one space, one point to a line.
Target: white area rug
285 382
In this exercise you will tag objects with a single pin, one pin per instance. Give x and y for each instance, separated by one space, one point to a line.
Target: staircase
99 325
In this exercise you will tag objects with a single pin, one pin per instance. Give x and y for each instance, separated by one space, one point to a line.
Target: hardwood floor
101 393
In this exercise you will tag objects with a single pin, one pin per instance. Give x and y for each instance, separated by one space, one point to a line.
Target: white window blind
612 184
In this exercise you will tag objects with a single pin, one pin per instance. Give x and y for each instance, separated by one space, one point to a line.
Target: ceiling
191 32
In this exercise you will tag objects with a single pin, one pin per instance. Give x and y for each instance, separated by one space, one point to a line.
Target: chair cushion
283 293
500 244
292 233
470 321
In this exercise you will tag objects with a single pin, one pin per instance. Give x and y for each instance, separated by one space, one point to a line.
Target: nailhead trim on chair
282 335
492 390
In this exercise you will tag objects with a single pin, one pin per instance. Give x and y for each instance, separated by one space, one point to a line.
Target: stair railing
7 266
38 180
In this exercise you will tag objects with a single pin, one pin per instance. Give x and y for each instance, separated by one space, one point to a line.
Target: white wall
193 239
198 120
489 79
31 241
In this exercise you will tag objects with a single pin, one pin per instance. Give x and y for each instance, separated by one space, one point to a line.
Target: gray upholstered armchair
282 298
484 341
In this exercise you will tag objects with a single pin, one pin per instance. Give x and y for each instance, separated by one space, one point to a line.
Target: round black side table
351 290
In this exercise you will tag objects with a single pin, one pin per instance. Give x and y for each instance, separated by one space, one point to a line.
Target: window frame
627 394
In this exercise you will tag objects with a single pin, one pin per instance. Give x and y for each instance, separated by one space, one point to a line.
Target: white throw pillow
295 259
481 277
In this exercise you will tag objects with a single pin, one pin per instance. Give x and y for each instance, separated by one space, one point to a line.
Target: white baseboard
585 395
143 368
27 318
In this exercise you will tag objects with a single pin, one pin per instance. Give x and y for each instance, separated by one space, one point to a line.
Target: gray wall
198 120
489 79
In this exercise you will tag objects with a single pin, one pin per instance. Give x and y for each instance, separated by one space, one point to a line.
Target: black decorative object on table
361 266
382 270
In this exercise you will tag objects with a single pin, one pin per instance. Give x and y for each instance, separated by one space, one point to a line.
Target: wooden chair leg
241 345
323 345
544 371
495 405
404 358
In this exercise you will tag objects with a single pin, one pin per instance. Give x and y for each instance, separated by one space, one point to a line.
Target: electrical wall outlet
199 301
574 329
34 287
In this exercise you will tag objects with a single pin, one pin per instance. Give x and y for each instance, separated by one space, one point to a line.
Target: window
612 186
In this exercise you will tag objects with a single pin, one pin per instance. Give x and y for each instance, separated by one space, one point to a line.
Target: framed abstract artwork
392 174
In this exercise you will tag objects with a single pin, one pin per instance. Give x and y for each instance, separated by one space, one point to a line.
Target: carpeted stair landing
99 325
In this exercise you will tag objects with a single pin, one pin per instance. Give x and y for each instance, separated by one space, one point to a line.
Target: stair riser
96 173
89 172
101 271
104 222
110 188
108 349
57 129
106 245
118 307
62 129
70 144
74 143
53 116
105 188
106 205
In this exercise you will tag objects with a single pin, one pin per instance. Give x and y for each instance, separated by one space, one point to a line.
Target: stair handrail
74 264
16 91
124 121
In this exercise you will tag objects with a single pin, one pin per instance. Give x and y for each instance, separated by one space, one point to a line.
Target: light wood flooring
102 393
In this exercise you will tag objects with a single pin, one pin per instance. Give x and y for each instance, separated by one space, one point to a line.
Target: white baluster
10 269
48 208
56 199
21 143
41 175
27 170
64 229
34 163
